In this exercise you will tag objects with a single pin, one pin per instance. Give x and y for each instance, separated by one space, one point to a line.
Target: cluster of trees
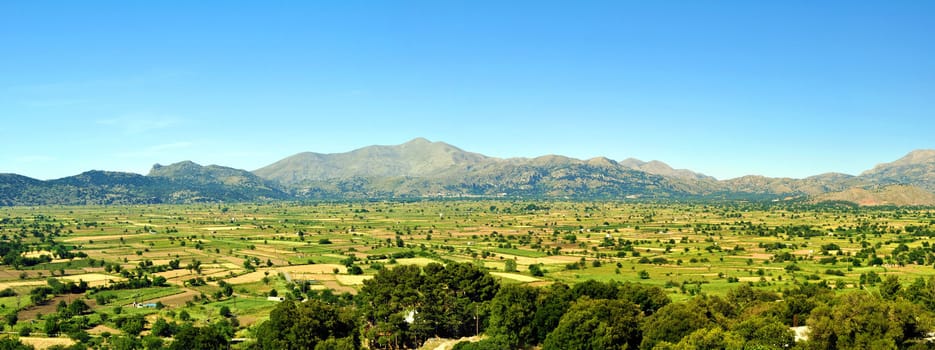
309 325
12 250
404 306
602 313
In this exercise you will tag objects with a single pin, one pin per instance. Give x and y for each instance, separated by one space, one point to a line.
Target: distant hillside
421 168
14 187
659 168
424 168
899 195
916 168
219 180
179 183
416 158
787 186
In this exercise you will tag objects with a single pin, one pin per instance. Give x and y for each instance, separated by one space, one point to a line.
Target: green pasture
687 249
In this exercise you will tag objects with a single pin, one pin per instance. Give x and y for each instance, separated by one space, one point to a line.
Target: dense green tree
649 298
338 344
62 308
454 297
159 281
708 338
673 322
403 306
190 337
536 270
153 342
131 325
745 295
595 290
78 307
552 303
765 332
512 313
11 318
7 343
597 324
386 300
509 265
162 328
890 288
921 292
483 344
225 311
798 303
306 325
51 325
126 342
865 321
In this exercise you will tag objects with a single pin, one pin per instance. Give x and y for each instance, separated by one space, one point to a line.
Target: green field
686 249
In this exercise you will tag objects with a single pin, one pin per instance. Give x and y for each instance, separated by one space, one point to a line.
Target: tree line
402 307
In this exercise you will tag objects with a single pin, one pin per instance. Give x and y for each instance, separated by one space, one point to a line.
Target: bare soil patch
247 320
36 254
176 300
249 277
93 279
539 284
173 274
96 238
757 256
320 272
220 228
351 280
6 285
45 343
415 261
548 260
446 344
10 274
338 288
97 330
315 268
515 276
51 306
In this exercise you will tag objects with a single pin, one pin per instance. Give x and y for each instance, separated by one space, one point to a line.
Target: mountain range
421 168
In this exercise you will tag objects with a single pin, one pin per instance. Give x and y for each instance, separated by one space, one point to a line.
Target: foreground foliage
308 325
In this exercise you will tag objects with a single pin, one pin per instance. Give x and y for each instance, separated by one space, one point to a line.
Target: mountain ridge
422 168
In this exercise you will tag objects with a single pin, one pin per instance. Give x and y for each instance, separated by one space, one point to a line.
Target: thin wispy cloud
54 102
139 123
244 154
121 82
156 150
34 159
170 146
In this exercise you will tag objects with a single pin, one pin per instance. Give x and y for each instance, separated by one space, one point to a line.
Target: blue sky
727 88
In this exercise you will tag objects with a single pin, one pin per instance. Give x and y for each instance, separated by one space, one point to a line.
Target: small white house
411 317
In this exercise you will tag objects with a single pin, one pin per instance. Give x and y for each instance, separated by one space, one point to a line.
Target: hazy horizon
724 88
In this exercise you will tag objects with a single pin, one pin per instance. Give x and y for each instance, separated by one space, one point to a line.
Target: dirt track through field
175 300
